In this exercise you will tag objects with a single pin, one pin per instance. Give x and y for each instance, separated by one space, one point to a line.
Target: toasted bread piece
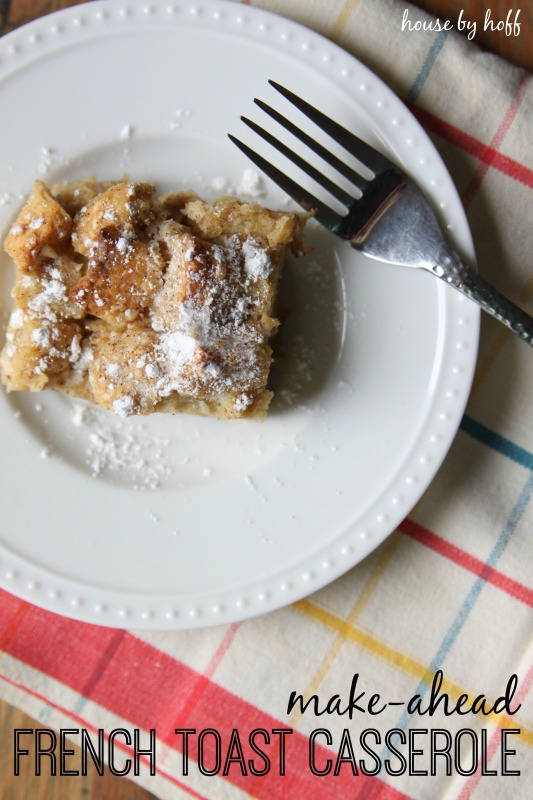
143 304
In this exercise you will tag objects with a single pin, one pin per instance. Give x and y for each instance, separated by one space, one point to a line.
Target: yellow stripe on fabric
387 552
353 634
343 17
406 663
339 641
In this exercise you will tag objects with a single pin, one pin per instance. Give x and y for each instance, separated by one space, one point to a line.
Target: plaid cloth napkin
441 610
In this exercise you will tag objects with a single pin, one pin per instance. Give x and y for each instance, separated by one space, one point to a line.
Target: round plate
180 521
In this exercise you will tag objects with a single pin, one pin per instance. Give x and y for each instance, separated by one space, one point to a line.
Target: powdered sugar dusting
126 132
115 450
124 406
178 347
6 199
210 342
49 159
257 262
251 184
53 292
16 319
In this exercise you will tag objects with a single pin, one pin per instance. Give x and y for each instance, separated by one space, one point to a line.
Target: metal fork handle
454 271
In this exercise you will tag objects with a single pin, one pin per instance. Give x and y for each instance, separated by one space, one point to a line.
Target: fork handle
454 271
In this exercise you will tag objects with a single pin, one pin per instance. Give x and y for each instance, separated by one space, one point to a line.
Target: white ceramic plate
177 522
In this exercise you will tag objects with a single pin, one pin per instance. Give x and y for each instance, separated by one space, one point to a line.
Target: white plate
225 520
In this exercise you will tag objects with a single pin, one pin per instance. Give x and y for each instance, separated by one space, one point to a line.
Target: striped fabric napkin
440 615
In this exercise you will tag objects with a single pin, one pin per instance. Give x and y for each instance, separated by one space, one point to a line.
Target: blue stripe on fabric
462 615
499 443
427 66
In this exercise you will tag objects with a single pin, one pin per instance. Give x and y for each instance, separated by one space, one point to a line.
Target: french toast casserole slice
143 304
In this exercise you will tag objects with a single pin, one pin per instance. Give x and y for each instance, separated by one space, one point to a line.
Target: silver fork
391 221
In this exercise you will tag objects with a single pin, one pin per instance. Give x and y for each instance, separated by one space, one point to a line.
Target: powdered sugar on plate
115 449
150 455
179 115
49 160
6 199
251 184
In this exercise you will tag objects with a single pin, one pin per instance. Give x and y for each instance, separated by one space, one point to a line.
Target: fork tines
367 155
375 163
299 194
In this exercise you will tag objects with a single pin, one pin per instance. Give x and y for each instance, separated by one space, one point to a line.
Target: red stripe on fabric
222 649
117 743
208 673
107 654
469 144
497 139
467 561
202 680
140 684
80 657
13 622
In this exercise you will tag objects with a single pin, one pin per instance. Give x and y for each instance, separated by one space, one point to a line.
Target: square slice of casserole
143 304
